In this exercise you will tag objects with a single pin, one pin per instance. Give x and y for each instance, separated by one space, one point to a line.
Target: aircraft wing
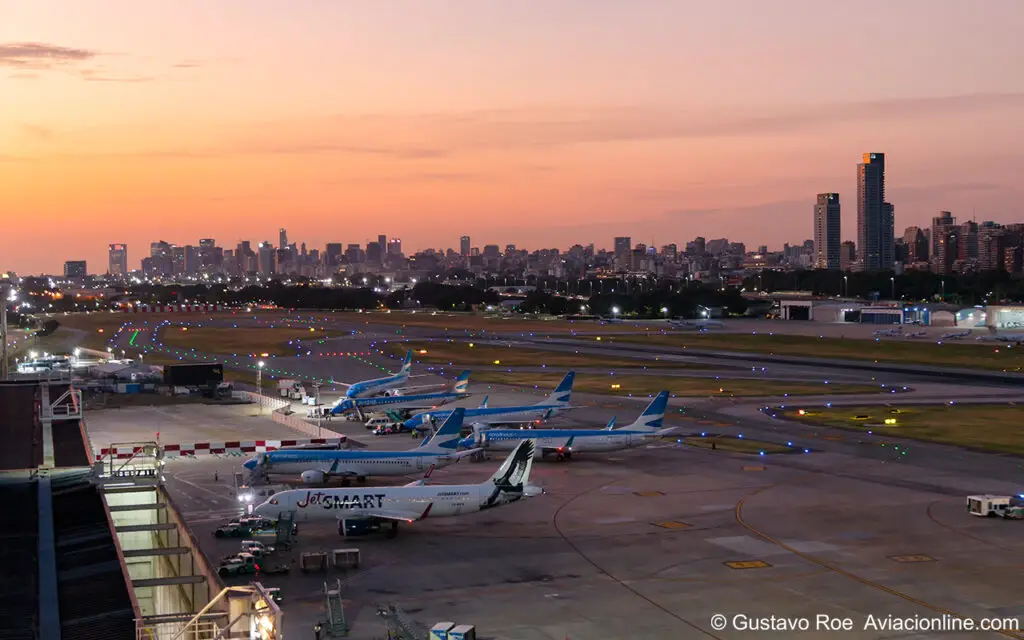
399 516
459 455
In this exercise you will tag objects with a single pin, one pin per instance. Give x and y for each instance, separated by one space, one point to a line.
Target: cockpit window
273 501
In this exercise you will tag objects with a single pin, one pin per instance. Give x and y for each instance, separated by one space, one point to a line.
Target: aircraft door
419 463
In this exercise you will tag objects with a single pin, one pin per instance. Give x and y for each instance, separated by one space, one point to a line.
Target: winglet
426 512
430 470
483 403
611 424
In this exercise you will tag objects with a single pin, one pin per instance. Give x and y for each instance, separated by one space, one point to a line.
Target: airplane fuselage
494 415
355 463
419 401
370 388
335 504
583 440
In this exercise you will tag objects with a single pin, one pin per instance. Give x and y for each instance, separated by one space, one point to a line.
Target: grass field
907 351
989 427
475 323
737 445
243 340
680 386
461 353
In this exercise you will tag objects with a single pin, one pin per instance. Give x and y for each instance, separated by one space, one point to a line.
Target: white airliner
889 333
412 502
995 336
381 386
700 325
916 334
317 467
563 443
955 335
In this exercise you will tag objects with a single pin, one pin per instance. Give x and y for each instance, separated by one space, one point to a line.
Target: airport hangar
832 310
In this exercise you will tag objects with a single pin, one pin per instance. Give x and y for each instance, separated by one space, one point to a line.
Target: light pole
259 383
846 286
892 279
316 404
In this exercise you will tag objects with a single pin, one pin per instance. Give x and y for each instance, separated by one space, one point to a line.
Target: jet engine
391 393
313 476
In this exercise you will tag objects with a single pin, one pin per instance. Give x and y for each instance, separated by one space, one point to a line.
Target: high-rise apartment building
117 260
332 254
943 243
75 269
395 247
826 232
382 240
623 246
266 256
464 245
282 237
160 258
876 242
847 255
916 244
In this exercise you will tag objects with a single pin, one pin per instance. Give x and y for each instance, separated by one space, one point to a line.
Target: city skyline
337 129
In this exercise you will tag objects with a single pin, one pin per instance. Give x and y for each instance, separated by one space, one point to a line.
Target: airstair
285 537
336 625
400 626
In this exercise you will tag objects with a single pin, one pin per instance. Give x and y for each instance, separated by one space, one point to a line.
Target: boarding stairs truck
995 506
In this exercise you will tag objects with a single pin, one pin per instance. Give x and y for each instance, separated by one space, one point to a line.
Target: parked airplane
995 336
563 443
486 416
379 386
956 335
889 333
459 389
701 325
316 467
917 334
412 502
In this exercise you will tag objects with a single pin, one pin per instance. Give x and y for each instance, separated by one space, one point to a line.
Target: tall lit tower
826 232
876 244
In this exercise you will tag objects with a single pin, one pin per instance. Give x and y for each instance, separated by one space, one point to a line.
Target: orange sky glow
538 124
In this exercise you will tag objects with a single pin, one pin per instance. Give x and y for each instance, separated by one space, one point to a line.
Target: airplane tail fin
483 403
449 435
406 365
562 391
611 424
511 481
653 416
461 383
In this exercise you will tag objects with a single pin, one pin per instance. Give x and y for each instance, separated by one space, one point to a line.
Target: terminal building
96 548
935 314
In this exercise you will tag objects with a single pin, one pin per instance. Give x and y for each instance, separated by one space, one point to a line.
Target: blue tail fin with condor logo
562 392
653 416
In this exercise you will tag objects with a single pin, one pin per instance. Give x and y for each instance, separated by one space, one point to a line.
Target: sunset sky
535 122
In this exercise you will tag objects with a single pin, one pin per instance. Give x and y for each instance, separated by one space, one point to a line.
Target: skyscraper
395 247
623 246
464 245
876 249
266 258
282 239
117 264
943 242
826 232
382 240
75 269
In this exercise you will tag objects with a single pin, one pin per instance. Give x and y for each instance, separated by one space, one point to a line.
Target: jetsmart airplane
317 467
412 502
563 443
487 416
459 389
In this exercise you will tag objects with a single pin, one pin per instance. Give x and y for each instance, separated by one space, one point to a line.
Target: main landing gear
347 482
565 455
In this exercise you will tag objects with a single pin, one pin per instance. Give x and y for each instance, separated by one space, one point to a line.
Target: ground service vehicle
241 564
291 389
242 527
994 506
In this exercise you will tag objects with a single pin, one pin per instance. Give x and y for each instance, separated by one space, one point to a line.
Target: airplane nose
250 464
